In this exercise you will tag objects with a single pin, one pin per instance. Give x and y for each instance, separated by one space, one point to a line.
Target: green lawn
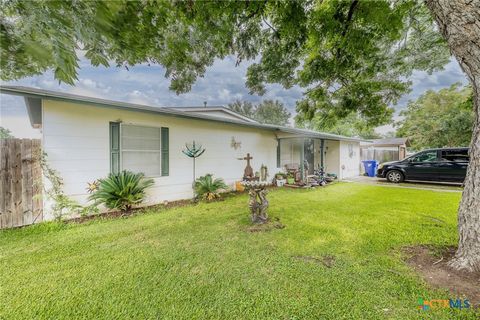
199 262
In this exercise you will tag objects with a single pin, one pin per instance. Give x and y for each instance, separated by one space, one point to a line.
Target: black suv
442 165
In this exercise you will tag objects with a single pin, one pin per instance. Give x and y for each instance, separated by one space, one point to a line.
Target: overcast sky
222 84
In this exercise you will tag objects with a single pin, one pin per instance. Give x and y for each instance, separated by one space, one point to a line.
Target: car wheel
395 176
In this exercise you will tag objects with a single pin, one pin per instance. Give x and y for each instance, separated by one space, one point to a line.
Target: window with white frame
141 149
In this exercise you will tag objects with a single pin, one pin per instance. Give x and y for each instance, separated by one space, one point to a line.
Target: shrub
122 190
208 188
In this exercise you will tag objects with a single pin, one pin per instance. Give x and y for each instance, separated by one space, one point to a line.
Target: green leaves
208 188
272 112
351 126
5 133
268 111
439 119
121 191
245 108
350 56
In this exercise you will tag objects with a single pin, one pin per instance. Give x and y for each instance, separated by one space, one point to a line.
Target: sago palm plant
208 188
122 190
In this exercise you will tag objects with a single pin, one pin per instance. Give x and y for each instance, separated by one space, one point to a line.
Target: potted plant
239 186
290 179
280 179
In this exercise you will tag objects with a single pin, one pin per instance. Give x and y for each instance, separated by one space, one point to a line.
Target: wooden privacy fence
20 182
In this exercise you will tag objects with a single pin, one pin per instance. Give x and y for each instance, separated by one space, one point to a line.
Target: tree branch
269 25
353 5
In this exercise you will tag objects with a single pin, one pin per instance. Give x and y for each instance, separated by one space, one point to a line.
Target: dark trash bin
370 167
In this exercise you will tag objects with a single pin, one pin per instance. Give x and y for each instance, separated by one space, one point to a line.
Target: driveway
421 185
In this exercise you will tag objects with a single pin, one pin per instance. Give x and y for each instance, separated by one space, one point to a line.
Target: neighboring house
384 150
87 138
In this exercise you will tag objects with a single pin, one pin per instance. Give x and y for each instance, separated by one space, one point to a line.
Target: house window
141 149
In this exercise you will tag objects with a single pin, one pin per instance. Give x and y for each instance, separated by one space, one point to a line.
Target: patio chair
294 169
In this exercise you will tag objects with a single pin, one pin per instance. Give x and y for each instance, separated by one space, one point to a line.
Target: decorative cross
248 169
248 158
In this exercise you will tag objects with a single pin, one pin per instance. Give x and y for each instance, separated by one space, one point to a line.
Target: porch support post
322 145
278 153
302 159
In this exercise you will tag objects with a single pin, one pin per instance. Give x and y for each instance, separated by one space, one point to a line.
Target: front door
424 166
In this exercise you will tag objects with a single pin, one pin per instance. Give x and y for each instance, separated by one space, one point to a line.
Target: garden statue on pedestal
257 191
263 173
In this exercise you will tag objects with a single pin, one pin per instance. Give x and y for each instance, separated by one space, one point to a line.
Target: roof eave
28 93
52 95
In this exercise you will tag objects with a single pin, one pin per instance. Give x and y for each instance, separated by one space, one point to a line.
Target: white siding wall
332 157
76 139
349 159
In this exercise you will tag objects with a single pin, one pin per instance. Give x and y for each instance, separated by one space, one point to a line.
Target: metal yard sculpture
194 151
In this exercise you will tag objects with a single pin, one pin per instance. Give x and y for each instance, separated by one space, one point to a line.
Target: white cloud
422 81
224 94
139 97
222 83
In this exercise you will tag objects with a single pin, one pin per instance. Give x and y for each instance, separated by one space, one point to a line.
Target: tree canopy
245 108
268 111
350 126
349 56
441 118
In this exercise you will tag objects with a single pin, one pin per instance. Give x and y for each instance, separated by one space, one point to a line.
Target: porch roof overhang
33 98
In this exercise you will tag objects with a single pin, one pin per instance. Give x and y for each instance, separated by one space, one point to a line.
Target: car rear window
455 155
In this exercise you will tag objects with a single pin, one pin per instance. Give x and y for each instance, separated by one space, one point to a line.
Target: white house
87 138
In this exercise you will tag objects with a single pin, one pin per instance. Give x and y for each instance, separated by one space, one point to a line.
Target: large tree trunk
459 22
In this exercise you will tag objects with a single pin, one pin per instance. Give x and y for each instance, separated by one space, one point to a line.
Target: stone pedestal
258 202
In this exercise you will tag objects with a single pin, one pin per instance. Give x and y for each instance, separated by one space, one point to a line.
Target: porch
313 153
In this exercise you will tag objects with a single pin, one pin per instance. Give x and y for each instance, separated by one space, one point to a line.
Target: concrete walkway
419 185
